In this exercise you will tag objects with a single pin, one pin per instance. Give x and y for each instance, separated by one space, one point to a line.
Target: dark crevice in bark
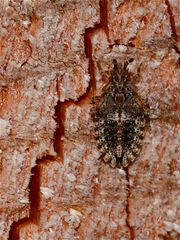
34 184
59 117
60 108
87 96
60 130
89 32
88 51
131 230
15 227
104 16
172 21
34 199
34 194
174 34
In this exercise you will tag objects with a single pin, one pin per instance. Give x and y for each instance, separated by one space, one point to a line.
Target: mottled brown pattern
120 119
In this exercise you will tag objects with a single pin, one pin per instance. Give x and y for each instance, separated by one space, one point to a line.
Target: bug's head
125 64
119 73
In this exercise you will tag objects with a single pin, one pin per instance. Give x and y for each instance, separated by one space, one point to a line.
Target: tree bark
56 56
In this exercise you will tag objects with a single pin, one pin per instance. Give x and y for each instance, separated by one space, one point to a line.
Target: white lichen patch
75 213
5 128
122 48
170 226
24 200
47 192
74 217
74 82
71 177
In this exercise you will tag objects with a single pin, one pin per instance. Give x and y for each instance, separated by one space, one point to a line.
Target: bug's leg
170 116
113 162
110 158
125 161
128 158
107 157
95 99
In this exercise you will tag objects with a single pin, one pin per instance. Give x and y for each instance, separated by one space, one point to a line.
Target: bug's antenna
115 63
128 62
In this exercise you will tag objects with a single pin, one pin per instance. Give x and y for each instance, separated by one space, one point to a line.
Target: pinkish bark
55 57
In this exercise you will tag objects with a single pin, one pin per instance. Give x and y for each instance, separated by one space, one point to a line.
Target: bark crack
34 184
131 230
172 24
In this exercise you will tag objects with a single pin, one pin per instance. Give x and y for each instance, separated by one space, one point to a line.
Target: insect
120 119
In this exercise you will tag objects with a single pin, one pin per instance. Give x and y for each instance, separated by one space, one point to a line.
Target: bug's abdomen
132 135
107 136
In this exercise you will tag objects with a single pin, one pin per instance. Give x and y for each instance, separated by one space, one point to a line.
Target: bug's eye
131 60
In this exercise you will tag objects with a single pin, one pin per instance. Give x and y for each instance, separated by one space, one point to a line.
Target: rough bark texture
55 56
